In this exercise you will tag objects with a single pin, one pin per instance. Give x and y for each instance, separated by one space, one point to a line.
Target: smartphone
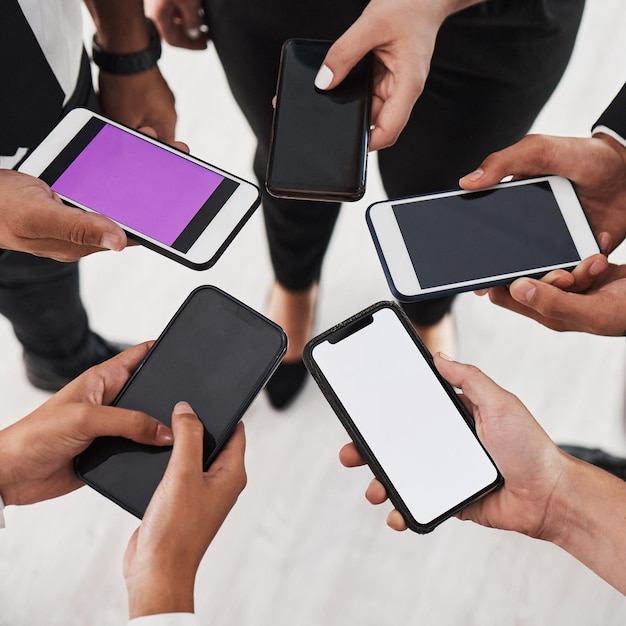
318 147
404 418
165 199
217 354
444 243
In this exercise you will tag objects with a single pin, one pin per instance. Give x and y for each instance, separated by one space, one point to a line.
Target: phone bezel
295 191
210 244
398 268
337 333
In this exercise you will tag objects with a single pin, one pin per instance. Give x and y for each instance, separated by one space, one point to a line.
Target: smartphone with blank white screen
439 244
405 419
163 198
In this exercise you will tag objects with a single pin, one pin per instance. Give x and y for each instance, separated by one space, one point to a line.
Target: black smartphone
405 419
319 141
217 354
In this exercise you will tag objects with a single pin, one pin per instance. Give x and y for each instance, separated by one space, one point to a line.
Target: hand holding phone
404 418
167 200
438 244
216 354
318 148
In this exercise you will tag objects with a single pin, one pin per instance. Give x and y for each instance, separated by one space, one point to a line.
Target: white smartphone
405 419
165 199
443 243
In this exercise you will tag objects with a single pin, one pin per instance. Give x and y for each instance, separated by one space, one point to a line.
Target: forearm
121 25
587 518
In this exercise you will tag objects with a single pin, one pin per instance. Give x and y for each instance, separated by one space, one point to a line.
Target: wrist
155 594
138 51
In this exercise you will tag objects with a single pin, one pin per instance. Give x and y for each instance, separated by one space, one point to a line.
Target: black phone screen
216 354
320 138
483 234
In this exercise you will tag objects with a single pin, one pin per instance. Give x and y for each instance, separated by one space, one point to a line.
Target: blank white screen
406 417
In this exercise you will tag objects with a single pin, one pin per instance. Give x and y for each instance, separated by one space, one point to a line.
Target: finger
232 455
476 386
109 421
82 228
179 27
529 156
151 132
587 272
376 492
187 454
393 116
346 52
395 521
350 456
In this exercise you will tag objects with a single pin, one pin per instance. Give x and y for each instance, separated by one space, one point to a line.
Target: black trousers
493 68
40 297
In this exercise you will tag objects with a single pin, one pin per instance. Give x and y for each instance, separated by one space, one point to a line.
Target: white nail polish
193 33
324 78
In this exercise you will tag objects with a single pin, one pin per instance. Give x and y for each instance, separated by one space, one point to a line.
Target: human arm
183 517
401 35
180 22
33 219
547 494
37 452
140 99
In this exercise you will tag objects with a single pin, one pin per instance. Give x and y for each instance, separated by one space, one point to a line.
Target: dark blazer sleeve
614 117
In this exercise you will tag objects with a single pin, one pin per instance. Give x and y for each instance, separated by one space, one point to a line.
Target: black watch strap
132 63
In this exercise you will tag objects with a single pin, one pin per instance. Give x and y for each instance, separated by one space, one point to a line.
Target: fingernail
324 77
444 356
164 434
475 175
523 290
193 33
597 267
182 407
111 242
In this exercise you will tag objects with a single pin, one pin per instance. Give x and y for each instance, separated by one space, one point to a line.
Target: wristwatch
132 63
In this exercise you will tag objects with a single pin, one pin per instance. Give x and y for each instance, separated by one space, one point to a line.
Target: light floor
303 547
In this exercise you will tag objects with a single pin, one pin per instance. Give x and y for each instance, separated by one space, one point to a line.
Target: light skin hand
34 220
401 35
38 451
596 166
598 310
530 463
179 22
183 517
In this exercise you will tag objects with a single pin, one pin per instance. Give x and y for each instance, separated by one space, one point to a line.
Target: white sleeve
608 131
1 513
165 619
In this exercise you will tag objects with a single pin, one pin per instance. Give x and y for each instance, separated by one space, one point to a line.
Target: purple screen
137 184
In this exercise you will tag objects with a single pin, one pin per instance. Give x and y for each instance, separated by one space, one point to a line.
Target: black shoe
285 383
613 464
53 374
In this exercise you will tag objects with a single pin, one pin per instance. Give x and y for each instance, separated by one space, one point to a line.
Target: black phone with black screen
217 354
319 141
405 419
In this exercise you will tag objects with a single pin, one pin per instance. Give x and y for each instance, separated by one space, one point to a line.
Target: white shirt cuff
165 619
1 513
611 133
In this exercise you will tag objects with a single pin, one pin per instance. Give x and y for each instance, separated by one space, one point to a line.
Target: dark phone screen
139 184
216 354
484 234
320 138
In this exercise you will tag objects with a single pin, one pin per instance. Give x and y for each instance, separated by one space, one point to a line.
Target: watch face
132 63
